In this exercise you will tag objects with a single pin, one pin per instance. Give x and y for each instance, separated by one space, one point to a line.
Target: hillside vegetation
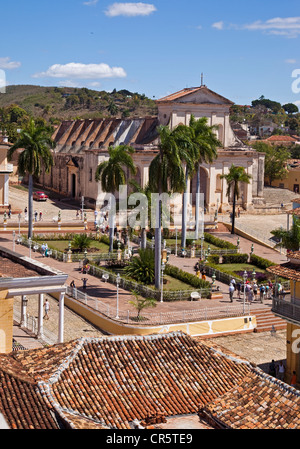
65 103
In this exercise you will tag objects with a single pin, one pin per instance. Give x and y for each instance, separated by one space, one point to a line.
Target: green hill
54 104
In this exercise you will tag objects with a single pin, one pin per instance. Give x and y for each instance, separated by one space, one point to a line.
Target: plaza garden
219 259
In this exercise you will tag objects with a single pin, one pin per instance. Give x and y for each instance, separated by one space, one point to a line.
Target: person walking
84 281
280 371
238 289
231 291
262 292
47 309
272 369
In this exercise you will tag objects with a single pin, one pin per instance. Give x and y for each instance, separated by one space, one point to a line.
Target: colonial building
82 144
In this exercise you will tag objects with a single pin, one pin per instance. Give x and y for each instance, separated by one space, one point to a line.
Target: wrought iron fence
130 317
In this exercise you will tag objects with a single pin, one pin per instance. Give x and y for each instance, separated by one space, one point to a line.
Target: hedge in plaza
260 262
186 277
209 238
235 258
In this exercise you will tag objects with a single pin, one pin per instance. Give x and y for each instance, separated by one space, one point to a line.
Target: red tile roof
281 139
110 382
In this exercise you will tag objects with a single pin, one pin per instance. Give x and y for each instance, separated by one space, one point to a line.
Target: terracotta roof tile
110 382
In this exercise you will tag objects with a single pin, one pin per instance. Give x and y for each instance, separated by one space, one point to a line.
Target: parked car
40 196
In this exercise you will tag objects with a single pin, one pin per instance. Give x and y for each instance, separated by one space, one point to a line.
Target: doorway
73 185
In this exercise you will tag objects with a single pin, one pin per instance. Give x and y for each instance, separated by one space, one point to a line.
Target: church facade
83 144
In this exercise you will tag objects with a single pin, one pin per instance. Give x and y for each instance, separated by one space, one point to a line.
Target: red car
40 196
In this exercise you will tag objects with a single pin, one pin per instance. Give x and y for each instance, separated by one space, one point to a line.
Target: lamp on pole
245 276
202 240
19 220
162 281
14 238
118 282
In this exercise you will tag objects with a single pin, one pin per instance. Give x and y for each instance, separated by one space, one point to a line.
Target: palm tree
36 142
81 242
140 304
141 267
289 239
206 144
166 174
111 174
235 176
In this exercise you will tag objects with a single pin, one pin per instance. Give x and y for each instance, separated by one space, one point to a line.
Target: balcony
8 168
287 308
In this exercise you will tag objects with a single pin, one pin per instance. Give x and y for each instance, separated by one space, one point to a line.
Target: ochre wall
222 326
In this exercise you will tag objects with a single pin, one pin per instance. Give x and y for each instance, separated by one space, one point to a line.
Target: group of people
253 291
278 370
200 273
45 249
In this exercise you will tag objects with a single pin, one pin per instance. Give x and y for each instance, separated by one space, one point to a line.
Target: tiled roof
259 402
190 90
276 138
287 270
21 402
112 382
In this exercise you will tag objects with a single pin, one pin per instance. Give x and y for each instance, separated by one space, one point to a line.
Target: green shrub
142 267
188 278
235 258
260 262
213 258
209 238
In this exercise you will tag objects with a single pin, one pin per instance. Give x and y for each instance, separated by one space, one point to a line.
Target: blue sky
245 49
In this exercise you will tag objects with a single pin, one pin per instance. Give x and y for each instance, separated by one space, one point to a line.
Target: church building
81 145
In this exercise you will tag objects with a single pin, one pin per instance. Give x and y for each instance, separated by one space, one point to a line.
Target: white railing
130 317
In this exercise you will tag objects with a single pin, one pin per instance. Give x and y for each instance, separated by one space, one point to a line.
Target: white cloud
91 3
218 25
5 63
129 9
82 71
290 61
288 26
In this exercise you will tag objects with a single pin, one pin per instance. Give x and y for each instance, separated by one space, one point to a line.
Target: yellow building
288 307
5 170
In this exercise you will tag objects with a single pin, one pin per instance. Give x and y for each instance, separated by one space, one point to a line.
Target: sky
244 49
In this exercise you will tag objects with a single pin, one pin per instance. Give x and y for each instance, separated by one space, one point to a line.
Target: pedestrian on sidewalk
250 295
272 369
47 309
231 291
41 216
84 281
294 379
73 286
280 371
262 292
238 289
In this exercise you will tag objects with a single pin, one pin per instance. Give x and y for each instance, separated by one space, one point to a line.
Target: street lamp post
19 219
245 276
30 243
14 238
202 240
162 281
118 282
176 242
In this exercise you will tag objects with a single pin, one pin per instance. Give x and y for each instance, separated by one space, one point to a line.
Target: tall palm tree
234 177
206 144
36 142
112 174
166 174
